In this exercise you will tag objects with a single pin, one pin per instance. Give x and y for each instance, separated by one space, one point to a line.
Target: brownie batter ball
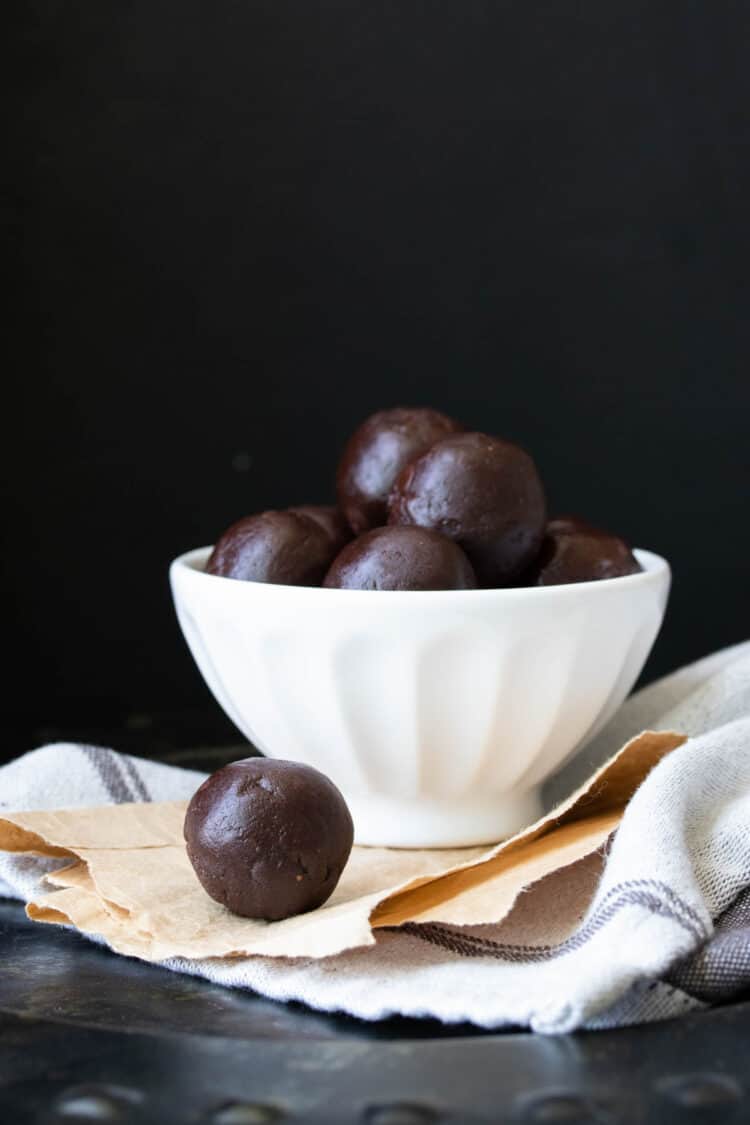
483 493
581 556
331 520
401 558
280 547
268 839
377 452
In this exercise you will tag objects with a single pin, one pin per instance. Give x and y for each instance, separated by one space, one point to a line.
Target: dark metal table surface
86 1035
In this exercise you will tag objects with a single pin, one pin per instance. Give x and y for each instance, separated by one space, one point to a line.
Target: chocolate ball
280 547
581 556
377 452
331 520
483 493
268 839
561 524
401 558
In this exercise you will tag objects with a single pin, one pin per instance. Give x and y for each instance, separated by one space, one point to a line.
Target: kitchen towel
125 876
653 924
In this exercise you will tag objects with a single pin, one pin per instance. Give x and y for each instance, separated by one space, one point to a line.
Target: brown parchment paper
129 879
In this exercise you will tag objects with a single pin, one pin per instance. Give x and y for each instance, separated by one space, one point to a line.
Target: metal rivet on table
701 1091
245 1113
562 1109
400 1113
91 1103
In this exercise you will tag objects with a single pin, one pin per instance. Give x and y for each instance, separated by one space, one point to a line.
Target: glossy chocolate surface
481 492
377 452
581 556
268 839
401 558
280 547
332 521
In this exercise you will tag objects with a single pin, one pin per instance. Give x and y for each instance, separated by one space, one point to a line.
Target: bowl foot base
387 822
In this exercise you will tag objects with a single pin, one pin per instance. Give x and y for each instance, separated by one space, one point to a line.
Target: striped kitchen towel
655 925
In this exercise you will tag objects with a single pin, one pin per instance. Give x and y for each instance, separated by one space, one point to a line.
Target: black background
240 227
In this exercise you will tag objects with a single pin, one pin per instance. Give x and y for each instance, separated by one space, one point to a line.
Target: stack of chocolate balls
423 504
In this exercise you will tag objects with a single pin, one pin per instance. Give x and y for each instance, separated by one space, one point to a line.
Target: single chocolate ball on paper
401 558
581 556
279 547
267 838
330 519
481 492
377 452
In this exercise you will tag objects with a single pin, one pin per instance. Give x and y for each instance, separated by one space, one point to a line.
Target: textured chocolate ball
280 547
483 493
401 558
377 452
331 520
268 839
581 556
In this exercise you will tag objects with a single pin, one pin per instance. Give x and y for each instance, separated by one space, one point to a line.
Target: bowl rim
655 570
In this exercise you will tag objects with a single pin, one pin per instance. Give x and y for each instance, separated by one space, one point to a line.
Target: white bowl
437 713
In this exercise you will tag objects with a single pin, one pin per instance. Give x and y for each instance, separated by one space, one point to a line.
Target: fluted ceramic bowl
438 714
